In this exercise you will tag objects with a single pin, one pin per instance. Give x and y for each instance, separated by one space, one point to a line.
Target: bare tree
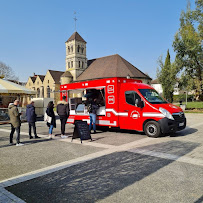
7 72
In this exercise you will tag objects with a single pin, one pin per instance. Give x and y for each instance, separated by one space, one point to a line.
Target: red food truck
124 103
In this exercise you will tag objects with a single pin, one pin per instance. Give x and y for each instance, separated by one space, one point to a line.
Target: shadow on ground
99 178
177 148
200 200
30 141
185 132
118 130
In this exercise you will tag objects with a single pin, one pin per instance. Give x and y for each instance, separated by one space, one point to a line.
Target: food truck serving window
80 98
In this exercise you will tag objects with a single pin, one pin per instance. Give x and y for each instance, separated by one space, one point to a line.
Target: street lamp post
186 97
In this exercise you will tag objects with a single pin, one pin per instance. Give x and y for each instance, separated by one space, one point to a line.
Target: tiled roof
76 36
33 79
66 74
111 66
89 62
56 75
41 77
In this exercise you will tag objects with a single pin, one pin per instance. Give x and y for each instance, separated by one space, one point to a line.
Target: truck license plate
181 124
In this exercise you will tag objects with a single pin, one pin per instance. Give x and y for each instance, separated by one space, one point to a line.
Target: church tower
76 61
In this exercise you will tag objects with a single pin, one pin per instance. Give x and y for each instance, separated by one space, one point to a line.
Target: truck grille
179 117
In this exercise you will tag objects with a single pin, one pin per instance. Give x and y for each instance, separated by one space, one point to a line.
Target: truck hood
169 107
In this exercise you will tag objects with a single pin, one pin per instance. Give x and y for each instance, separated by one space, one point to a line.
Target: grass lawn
193 105
196 105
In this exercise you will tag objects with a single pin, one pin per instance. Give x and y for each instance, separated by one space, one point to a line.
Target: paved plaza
117 166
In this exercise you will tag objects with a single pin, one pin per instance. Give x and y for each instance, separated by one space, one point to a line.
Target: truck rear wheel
152 129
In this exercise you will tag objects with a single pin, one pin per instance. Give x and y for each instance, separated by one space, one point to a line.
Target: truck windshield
152 96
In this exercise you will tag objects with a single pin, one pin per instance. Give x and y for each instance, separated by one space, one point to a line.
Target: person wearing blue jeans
93 115
50 112
92 120
50 129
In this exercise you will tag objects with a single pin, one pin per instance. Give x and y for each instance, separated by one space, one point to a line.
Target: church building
78 68
82 69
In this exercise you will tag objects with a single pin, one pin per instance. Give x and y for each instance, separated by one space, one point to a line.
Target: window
48 81
78 48
68 64
82 64
48 92
132 97
80 108
72 48
42 92
38 92
71 63
152 96
68 49
79 64
82 49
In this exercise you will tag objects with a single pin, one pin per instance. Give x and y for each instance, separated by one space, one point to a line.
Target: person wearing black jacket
63 112
31 119
50 112
93 115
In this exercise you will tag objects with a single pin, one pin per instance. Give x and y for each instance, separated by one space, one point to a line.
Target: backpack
89 108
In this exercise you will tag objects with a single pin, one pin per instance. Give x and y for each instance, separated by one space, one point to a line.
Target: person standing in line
93 114
63 112
31 119
50 112
15 122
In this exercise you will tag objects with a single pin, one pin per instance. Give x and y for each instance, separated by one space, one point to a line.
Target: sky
33 32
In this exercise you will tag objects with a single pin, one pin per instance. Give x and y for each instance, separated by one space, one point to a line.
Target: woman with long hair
50 112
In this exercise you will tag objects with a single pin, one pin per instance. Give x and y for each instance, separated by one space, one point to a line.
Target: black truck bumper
171 126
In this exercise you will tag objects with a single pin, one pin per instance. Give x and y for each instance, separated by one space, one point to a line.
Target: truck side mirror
140 104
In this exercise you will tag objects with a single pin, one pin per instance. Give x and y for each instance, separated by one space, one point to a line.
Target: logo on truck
111 99
135 115
110 89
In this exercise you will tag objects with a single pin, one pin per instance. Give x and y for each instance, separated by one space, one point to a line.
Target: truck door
133 117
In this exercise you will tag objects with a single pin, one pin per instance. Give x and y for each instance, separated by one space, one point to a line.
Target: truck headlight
166 113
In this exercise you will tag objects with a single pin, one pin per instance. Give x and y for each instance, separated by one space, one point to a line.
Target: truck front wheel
152 129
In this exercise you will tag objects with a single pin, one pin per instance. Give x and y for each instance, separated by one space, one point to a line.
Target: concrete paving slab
42 158
104 178
36 154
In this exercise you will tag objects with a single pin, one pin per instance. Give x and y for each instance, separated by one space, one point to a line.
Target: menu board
81 131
